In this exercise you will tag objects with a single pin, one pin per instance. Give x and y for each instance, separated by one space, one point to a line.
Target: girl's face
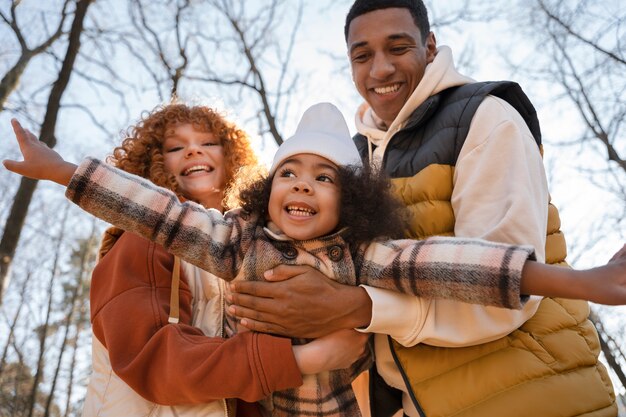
196 159
305 197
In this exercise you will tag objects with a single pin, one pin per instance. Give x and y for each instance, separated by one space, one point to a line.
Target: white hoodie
499 193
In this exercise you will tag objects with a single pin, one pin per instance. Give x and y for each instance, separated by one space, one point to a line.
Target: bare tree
14 322
82 261
610 348
43 329
582 49
578 50
11 79
21 202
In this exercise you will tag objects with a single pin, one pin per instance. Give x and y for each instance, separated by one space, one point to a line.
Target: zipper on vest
405 378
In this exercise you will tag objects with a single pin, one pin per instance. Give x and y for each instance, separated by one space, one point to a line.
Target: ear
431 47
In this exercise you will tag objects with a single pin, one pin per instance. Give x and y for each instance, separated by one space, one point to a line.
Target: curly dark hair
368 207
416 8
141 152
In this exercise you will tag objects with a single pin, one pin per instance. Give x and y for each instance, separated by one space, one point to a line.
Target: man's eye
399 49
360 57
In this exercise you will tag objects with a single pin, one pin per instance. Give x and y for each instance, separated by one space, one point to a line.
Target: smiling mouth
300 211
196 168
387 89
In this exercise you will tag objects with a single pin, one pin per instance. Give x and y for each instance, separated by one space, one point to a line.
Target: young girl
309 211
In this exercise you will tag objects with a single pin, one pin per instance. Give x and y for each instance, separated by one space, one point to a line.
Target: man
465 158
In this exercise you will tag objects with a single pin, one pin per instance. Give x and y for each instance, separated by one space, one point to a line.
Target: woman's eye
287 173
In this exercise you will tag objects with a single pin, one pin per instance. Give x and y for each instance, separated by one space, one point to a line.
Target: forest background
78 72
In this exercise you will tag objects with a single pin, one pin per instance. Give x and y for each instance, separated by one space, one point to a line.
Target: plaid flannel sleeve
463 269
203 237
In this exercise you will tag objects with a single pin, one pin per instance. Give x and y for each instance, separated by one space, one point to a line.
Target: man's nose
382 67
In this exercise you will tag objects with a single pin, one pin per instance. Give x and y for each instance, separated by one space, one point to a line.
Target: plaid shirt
237 246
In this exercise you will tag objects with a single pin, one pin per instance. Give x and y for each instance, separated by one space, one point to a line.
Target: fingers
253 288
284 272
263 327
250 307
20 134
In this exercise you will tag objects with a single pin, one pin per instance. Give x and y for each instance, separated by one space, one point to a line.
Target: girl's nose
302 187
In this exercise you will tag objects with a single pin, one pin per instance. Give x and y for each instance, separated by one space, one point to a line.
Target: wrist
64 174
306 359
360 309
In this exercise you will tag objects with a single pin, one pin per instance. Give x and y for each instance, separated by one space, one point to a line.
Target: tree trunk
43 331
23 302
24 195
85 255
12 77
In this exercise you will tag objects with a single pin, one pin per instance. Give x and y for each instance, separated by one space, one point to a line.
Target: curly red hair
141 153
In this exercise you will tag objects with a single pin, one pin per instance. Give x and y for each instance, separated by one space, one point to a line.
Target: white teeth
300 211
388 89
196 168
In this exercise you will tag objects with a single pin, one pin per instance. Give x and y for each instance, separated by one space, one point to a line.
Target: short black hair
368 207
415 7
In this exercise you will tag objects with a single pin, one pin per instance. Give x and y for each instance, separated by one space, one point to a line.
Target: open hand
301 302
40 162
607 284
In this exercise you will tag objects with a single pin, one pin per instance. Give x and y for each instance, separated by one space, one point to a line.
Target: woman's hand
40 162
337 350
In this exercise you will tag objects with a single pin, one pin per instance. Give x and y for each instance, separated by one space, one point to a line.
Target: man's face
388 58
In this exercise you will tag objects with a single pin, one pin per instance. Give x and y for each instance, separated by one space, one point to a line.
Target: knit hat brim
322 131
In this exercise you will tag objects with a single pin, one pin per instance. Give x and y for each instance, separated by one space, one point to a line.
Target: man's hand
40 162
301 302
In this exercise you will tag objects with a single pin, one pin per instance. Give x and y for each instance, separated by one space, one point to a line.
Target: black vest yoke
436 130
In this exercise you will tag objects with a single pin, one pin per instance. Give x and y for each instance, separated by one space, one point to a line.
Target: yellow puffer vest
548 367
555 353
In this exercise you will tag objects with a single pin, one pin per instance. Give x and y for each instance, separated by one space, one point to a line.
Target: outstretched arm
40 162
137 205
304 303
603 285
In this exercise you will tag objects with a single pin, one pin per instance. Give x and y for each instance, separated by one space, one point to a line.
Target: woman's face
196 159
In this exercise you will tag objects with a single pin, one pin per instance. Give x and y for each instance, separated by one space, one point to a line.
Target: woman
139 359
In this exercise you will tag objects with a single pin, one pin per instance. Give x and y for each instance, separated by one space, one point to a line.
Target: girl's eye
210 144
174 149
325 178
287 173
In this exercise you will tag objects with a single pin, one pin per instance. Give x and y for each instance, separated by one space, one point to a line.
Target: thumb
13 166
284 272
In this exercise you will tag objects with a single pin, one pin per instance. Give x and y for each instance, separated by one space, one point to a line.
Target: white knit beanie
322 131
